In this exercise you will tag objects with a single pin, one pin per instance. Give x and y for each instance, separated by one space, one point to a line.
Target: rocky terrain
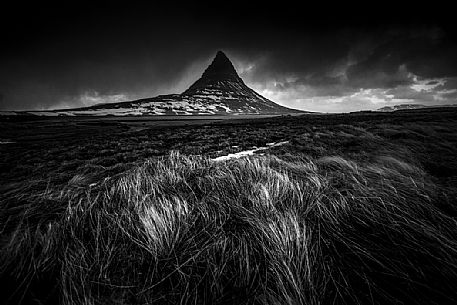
220 91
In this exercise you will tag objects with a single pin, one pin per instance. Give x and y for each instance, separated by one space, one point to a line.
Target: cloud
92 98
42 83
408 93
372 69
341 68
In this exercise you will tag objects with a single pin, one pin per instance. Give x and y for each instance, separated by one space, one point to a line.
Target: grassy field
356 209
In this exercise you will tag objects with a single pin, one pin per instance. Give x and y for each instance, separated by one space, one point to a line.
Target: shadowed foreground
259 230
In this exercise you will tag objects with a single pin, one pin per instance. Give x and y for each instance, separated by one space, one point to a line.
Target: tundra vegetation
355 209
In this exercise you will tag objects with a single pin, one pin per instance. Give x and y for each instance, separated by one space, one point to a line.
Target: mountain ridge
219 91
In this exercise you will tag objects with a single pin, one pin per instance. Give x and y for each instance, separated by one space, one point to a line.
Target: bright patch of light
427 84
243 69
439 96
93 98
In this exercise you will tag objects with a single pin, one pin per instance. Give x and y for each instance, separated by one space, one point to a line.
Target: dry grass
259 230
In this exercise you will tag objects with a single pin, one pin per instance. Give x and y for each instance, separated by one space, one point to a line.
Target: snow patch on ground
249 152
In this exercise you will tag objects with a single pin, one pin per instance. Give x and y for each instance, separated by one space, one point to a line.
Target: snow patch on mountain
219 91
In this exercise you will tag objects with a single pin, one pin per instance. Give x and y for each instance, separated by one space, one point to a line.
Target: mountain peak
220 68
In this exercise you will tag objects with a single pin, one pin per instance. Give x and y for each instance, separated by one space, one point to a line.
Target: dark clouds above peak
315 57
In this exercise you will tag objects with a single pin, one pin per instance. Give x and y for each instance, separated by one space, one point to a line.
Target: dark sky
319 57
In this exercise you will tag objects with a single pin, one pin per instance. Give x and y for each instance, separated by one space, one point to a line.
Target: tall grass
260 230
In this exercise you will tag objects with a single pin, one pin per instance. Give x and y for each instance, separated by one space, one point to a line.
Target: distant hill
411 106
220 90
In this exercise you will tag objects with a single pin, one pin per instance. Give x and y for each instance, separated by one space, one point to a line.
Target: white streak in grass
249 152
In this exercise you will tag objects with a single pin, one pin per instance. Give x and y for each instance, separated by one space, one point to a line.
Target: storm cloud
90 54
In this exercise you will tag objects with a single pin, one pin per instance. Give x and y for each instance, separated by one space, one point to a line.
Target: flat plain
355 208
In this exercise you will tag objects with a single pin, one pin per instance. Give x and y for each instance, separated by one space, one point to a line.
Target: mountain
411 106
401 107
220 90
221 83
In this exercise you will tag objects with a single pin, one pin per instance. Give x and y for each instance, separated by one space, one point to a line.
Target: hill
220 90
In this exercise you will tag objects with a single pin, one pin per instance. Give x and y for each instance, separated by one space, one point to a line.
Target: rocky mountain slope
219 90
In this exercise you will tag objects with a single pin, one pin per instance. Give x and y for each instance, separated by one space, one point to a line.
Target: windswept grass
260 230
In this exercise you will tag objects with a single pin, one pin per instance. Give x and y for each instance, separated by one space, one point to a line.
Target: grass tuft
258 230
